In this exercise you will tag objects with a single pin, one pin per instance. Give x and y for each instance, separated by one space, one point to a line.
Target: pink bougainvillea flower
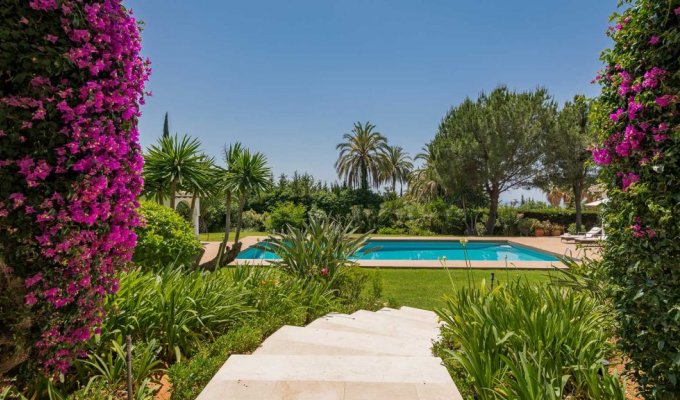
677 11
665 100
654 40
627 179
616 115
51 38
30 299
23 21
601 156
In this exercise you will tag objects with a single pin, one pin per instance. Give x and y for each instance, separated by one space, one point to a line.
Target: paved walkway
549 244
383 355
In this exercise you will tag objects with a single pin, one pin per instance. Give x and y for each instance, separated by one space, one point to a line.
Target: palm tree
359 159
231 154
555 195
423 182
395 165
248 175
175 164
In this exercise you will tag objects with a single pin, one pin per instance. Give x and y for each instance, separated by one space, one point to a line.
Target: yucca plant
524 341
317 250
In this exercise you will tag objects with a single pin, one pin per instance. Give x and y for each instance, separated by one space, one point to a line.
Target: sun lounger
593 241
595 232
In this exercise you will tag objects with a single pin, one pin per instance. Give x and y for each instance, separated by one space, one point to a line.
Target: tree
248 175
231 154
638 120
70 174
424 182
395 166
567 156
493 144
176 164
166 127
358 163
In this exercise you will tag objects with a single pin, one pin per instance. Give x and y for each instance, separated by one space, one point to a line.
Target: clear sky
288 78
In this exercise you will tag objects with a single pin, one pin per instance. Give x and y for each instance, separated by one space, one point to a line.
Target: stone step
424 318
419 312
305 341
399 319
331 378
378 325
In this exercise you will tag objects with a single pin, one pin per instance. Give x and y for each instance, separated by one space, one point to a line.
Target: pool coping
454 264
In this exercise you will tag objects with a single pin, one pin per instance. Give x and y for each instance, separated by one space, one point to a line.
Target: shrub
284 215
639 118
70 169
164 238
316 251
562 216
253 221
527 341
391 231
180 309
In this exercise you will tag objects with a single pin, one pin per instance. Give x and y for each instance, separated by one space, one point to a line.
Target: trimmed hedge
562 216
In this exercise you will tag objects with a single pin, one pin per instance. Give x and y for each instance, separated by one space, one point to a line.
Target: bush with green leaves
527 341
317 250
638 117
165 238
284 215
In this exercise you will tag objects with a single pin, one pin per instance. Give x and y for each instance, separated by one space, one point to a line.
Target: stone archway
185 199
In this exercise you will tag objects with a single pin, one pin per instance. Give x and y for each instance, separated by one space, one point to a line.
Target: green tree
166 126
174 164
395 166
424 181
248 175
567 161
360 154
493 144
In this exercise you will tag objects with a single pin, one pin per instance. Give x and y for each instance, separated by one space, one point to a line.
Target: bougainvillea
640 157
70 167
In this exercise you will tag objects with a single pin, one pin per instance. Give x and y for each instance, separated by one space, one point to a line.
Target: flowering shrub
70 166
639 152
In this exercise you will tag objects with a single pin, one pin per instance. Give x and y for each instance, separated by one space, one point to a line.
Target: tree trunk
394 184
578 194
493 209
364 176
239 217
227 228
173 192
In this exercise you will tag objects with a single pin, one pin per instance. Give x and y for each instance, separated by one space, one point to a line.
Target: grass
218 236
426 288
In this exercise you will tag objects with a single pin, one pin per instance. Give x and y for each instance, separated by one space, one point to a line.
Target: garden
103 295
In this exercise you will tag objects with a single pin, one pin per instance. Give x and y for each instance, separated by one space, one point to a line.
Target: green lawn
426 288
218 236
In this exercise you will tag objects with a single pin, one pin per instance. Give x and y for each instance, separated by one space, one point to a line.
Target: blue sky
288 78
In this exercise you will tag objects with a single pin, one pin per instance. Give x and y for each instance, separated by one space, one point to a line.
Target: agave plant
319 249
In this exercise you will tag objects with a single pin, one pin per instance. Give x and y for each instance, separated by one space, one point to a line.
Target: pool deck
549 244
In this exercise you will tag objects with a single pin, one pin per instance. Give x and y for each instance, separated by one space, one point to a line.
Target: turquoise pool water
428 250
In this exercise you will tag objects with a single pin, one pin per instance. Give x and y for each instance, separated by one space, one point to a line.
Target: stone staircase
366 355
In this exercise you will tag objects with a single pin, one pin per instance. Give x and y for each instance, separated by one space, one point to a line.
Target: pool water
427 250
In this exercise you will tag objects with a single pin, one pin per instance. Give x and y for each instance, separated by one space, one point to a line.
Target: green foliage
286 215
317 250
471 151
523 341
188 378
253 221
180 309
361 155
165 238
642 217
562 216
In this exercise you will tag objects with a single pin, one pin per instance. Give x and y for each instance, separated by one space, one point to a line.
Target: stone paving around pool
550 244
382 355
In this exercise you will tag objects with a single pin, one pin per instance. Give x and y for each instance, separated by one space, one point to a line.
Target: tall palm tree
248 175
173 164
359 159
423 181
395 165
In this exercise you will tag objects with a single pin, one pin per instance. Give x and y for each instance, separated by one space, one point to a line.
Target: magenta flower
601 156
654 40
628 179
616 115
665 100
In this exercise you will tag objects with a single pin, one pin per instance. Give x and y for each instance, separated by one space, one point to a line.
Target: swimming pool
427 250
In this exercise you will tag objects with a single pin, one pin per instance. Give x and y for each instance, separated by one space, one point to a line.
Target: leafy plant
524 341
284 215
165 238
317 250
